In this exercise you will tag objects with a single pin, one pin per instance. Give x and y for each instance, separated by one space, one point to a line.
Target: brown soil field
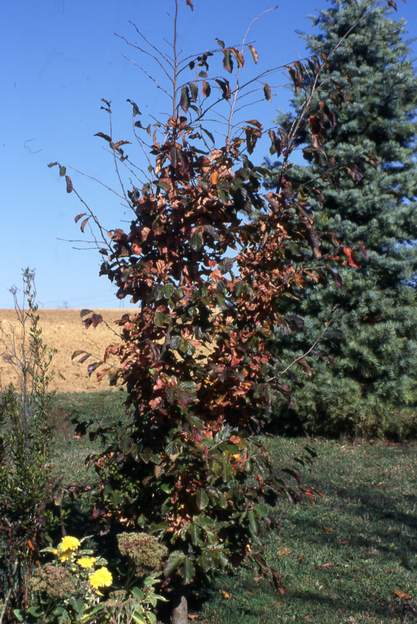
63 331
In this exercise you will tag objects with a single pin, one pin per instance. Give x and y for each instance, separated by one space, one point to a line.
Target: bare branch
147 74
143 51
151 45
319 338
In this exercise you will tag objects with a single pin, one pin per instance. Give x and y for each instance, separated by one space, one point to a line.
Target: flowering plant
77 587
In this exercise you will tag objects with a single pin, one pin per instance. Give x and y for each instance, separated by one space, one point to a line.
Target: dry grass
63 331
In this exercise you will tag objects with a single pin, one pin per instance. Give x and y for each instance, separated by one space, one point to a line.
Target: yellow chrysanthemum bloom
100 578
66 547
64 555
69 543
86 562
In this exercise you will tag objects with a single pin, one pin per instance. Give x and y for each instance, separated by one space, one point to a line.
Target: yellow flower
100 578
87 562
67 546
69 543
64 555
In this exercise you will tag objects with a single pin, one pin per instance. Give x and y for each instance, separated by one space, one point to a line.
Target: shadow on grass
384 525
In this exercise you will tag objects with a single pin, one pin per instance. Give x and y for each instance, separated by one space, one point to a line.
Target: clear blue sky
59 57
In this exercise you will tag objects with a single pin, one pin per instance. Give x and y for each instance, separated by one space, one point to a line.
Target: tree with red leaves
209 260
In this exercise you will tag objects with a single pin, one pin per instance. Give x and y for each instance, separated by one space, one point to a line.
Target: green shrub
25 483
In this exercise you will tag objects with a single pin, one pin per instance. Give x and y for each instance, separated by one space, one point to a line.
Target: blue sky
59 57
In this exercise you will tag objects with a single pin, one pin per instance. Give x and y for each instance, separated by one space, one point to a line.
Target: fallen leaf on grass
325 566
310 494
284 551
404 596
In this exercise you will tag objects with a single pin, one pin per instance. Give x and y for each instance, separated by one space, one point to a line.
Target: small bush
25 483
77 586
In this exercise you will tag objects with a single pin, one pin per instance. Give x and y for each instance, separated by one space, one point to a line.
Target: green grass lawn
342 556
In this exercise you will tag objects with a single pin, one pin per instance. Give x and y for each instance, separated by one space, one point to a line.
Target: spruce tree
362 376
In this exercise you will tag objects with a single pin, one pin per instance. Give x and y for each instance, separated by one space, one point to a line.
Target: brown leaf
92 367
225 87
119 144
254 122
325 566
350 260
267 92
214 177
315 128
185 99
106 137
240 59
284 551
69 184
206 89
401 595
84 223
254 52
227 61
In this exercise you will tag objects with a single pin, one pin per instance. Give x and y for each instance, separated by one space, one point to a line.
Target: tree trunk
180 612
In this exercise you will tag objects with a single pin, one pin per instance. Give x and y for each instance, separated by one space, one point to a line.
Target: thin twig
237 86
319 338
143 51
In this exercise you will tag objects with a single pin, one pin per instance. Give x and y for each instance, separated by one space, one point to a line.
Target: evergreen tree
363 375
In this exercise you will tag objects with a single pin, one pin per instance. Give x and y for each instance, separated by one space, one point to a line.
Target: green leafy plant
26 487
77 587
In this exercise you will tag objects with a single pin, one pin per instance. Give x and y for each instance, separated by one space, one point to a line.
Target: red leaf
350 260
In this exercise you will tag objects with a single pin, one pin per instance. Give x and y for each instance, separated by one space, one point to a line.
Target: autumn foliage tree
208 258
